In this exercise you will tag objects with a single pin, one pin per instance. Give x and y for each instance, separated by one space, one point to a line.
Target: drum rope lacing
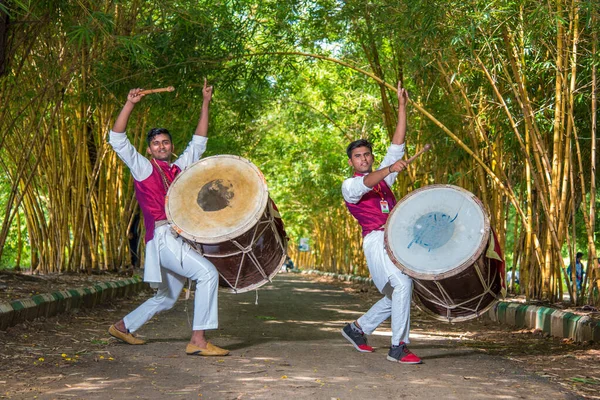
447 302
247 250
269 223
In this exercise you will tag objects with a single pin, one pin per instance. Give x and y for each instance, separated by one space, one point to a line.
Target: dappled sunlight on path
287 345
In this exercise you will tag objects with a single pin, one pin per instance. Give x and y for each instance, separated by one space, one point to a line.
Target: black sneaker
358 339
402 355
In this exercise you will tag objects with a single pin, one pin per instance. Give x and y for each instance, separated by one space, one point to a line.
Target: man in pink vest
169 260
369 199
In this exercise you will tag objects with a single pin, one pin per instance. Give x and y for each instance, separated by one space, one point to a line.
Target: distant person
578 271
370 200
169 260
510 276
288 265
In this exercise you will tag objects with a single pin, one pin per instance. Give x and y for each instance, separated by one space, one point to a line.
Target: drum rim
461 267
233 234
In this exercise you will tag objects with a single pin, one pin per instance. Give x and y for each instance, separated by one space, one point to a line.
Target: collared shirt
150 190
364 202
141 167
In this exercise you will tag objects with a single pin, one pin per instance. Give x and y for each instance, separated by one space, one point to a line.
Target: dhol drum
221 206
440 236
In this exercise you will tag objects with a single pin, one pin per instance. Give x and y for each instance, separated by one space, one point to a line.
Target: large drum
440 236
220 205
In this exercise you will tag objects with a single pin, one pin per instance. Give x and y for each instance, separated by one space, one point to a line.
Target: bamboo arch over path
507 188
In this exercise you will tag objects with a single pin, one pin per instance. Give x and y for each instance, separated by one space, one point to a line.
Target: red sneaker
403 355
358 340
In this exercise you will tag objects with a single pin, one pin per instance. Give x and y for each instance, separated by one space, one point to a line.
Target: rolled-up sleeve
353 189
395 152
139 165
193 152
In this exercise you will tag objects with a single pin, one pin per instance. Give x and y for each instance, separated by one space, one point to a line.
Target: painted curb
50 304
557 323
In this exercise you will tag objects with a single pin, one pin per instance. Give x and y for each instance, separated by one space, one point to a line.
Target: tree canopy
504 90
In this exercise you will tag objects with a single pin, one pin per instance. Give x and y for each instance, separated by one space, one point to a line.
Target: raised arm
400 132
399 165
133 98
197 146
139 165
202 128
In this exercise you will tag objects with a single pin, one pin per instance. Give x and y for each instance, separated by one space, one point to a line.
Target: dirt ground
71 356
15 286
576 366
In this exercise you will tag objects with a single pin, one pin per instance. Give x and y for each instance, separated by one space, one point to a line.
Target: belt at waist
160 223
381 228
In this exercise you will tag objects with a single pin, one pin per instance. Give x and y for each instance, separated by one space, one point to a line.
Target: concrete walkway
554 322
287 346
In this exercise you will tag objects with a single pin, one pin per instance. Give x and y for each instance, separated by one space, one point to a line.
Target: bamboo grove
506 91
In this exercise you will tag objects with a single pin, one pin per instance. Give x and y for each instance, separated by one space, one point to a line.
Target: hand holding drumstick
401 165
158 90
133 97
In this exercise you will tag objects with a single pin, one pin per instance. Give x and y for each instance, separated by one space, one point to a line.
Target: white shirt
141 168
353 189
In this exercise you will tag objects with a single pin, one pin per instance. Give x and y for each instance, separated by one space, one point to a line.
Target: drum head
436 232
216 199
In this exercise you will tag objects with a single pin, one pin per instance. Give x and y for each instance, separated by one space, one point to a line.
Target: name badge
385 208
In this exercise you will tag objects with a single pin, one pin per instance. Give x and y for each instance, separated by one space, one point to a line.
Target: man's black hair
157 131
579 255
356 144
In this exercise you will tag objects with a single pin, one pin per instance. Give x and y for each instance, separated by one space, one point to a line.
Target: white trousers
178 262
394 284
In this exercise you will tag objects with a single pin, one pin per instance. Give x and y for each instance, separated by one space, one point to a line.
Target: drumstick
423 150
159 90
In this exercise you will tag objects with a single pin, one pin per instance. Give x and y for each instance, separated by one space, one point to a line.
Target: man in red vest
169 260
369 199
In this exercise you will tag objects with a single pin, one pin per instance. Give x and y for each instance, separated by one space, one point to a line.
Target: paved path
287 346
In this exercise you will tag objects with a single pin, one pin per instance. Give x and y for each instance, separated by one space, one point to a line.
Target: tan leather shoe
211 350
125 337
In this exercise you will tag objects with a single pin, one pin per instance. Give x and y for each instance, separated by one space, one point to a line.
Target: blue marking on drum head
433 230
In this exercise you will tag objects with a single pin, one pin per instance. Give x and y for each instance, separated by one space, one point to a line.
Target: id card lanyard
385 207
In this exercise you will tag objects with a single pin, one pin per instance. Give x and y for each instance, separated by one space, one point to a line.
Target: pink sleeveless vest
368 210
151 192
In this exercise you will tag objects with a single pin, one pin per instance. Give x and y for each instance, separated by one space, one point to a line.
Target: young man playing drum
369 199
169 260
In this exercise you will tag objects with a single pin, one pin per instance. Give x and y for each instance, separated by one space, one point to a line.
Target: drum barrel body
250 260
460 297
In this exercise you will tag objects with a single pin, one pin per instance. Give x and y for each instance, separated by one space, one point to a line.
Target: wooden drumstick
159 90
423 150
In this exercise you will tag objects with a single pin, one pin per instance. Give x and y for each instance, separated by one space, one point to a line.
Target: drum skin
221 207
455 275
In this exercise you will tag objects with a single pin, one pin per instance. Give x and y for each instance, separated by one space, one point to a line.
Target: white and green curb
54 303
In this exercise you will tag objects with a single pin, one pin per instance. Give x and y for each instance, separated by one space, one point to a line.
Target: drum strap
377 189
165 180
